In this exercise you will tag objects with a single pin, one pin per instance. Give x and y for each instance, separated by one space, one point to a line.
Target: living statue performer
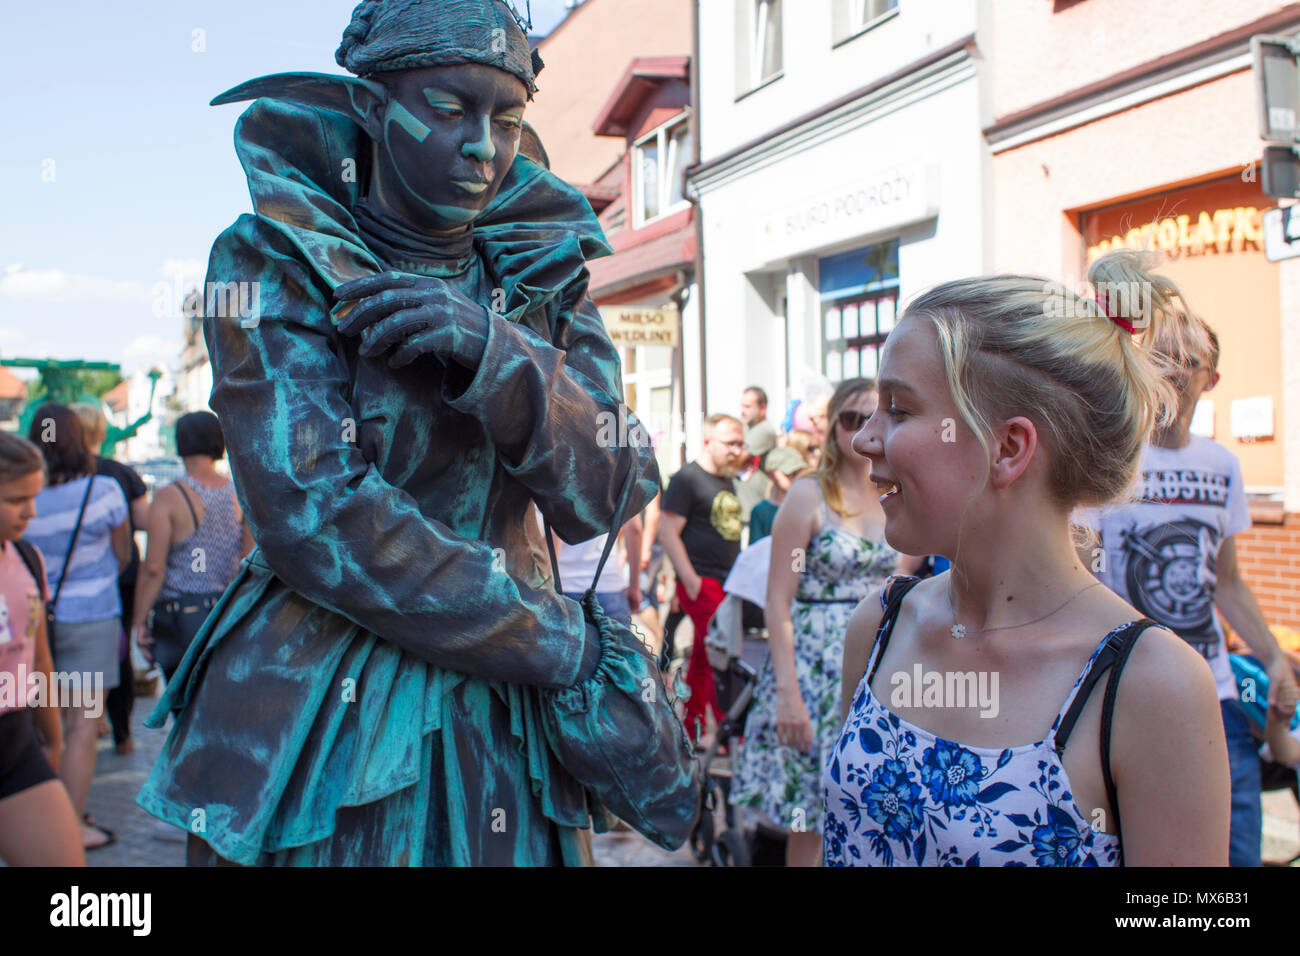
425 371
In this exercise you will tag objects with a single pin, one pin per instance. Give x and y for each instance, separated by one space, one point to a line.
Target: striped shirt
90 593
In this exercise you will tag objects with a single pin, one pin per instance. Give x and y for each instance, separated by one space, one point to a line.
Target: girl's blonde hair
94 423
801 441
1025 346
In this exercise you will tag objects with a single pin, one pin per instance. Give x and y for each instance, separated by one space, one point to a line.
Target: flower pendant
958 631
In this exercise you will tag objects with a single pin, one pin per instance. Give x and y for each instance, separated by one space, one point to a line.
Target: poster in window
851 320
870 361
851 363
833 365
832 324
886 315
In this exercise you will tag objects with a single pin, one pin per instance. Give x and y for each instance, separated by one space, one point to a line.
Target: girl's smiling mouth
891 489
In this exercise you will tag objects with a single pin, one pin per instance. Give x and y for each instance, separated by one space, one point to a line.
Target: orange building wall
1235 289
585 56
1184 137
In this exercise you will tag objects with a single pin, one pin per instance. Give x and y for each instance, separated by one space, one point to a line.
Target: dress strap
180 486
1103 657
892 593
1111 656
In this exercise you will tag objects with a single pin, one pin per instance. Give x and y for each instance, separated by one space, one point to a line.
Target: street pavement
144 841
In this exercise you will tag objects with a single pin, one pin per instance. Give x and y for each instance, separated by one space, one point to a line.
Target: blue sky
116 175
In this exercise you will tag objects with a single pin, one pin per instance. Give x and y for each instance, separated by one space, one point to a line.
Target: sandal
110 836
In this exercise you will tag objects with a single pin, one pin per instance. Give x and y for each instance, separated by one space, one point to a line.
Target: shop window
859 297
657 163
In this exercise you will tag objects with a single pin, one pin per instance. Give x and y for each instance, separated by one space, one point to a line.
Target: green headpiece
387 35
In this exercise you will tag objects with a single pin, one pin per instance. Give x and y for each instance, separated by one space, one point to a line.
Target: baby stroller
736 656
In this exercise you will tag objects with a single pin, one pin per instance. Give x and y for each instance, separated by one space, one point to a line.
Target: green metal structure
62 381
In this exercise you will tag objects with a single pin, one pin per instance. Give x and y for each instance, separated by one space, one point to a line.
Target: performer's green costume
368 691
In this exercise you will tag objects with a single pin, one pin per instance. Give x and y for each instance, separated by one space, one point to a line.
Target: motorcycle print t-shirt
1160 552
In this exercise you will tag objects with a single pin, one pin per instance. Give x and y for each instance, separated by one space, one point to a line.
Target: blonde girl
977 727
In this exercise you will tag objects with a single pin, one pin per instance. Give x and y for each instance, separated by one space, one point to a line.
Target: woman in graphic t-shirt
38 826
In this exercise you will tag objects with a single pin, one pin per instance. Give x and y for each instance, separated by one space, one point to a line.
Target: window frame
853 31
756 77
661 137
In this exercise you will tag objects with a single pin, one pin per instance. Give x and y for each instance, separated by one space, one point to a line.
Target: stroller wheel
702 836
729 849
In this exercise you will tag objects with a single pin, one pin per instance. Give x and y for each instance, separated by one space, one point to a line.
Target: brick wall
1269 556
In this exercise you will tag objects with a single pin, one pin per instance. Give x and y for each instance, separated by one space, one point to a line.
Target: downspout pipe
693 195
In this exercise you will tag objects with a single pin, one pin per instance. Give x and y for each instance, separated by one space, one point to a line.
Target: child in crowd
975 731
38 826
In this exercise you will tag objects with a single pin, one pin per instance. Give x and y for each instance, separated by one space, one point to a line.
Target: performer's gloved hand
415 315
590 654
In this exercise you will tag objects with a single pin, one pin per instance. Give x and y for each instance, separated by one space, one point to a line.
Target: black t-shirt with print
712 512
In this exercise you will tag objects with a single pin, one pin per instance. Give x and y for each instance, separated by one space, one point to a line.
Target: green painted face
450 134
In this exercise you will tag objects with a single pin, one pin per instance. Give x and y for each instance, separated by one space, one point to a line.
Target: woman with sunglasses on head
828 552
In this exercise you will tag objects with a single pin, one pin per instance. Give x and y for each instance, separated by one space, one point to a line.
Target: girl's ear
361 101
1017 440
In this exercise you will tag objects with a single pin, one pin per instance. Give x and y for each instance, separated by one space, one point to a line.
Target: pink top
21 611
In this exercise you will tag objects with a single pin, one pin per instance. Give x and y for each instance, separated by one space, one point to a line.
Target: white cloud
57 285
190 271
146 351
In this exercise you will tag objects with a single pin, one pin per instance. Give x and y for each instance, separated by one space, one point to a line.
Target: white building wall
815 71
148 441
910 164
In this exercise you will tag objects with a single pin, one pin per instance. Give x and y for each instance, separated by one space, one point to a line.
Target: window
859 294
851 18
862 12
766 56
657 164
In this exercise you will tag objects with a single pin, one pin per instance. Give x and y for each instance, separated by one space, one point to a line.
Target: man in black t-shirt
699 528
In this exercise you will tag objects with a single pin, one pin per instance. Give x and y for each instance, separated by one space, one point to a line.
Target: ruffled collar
304 168
409 250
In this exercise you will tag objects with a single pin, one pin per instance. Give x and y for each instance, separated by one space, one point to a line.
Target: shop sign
1282 233
1222 230
882 200
630 325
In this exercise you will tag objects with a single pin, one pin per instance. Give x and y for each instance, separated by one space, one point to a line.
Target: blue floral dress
841 569
897 795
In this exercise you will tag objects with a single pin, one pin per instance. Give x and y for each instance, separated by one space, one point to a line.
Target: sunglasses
851 421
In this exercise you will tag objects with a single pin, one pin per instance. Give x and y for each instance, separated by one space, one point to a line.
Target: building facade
842 169
1117 125
614 116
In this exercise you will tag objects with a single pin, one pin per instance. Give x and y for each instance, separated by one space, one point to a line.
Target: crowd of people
1024 463
1026 504
986 552
74 596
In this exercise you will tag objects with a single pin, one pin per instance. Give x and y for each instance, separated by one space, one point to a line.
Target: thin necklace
959 630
